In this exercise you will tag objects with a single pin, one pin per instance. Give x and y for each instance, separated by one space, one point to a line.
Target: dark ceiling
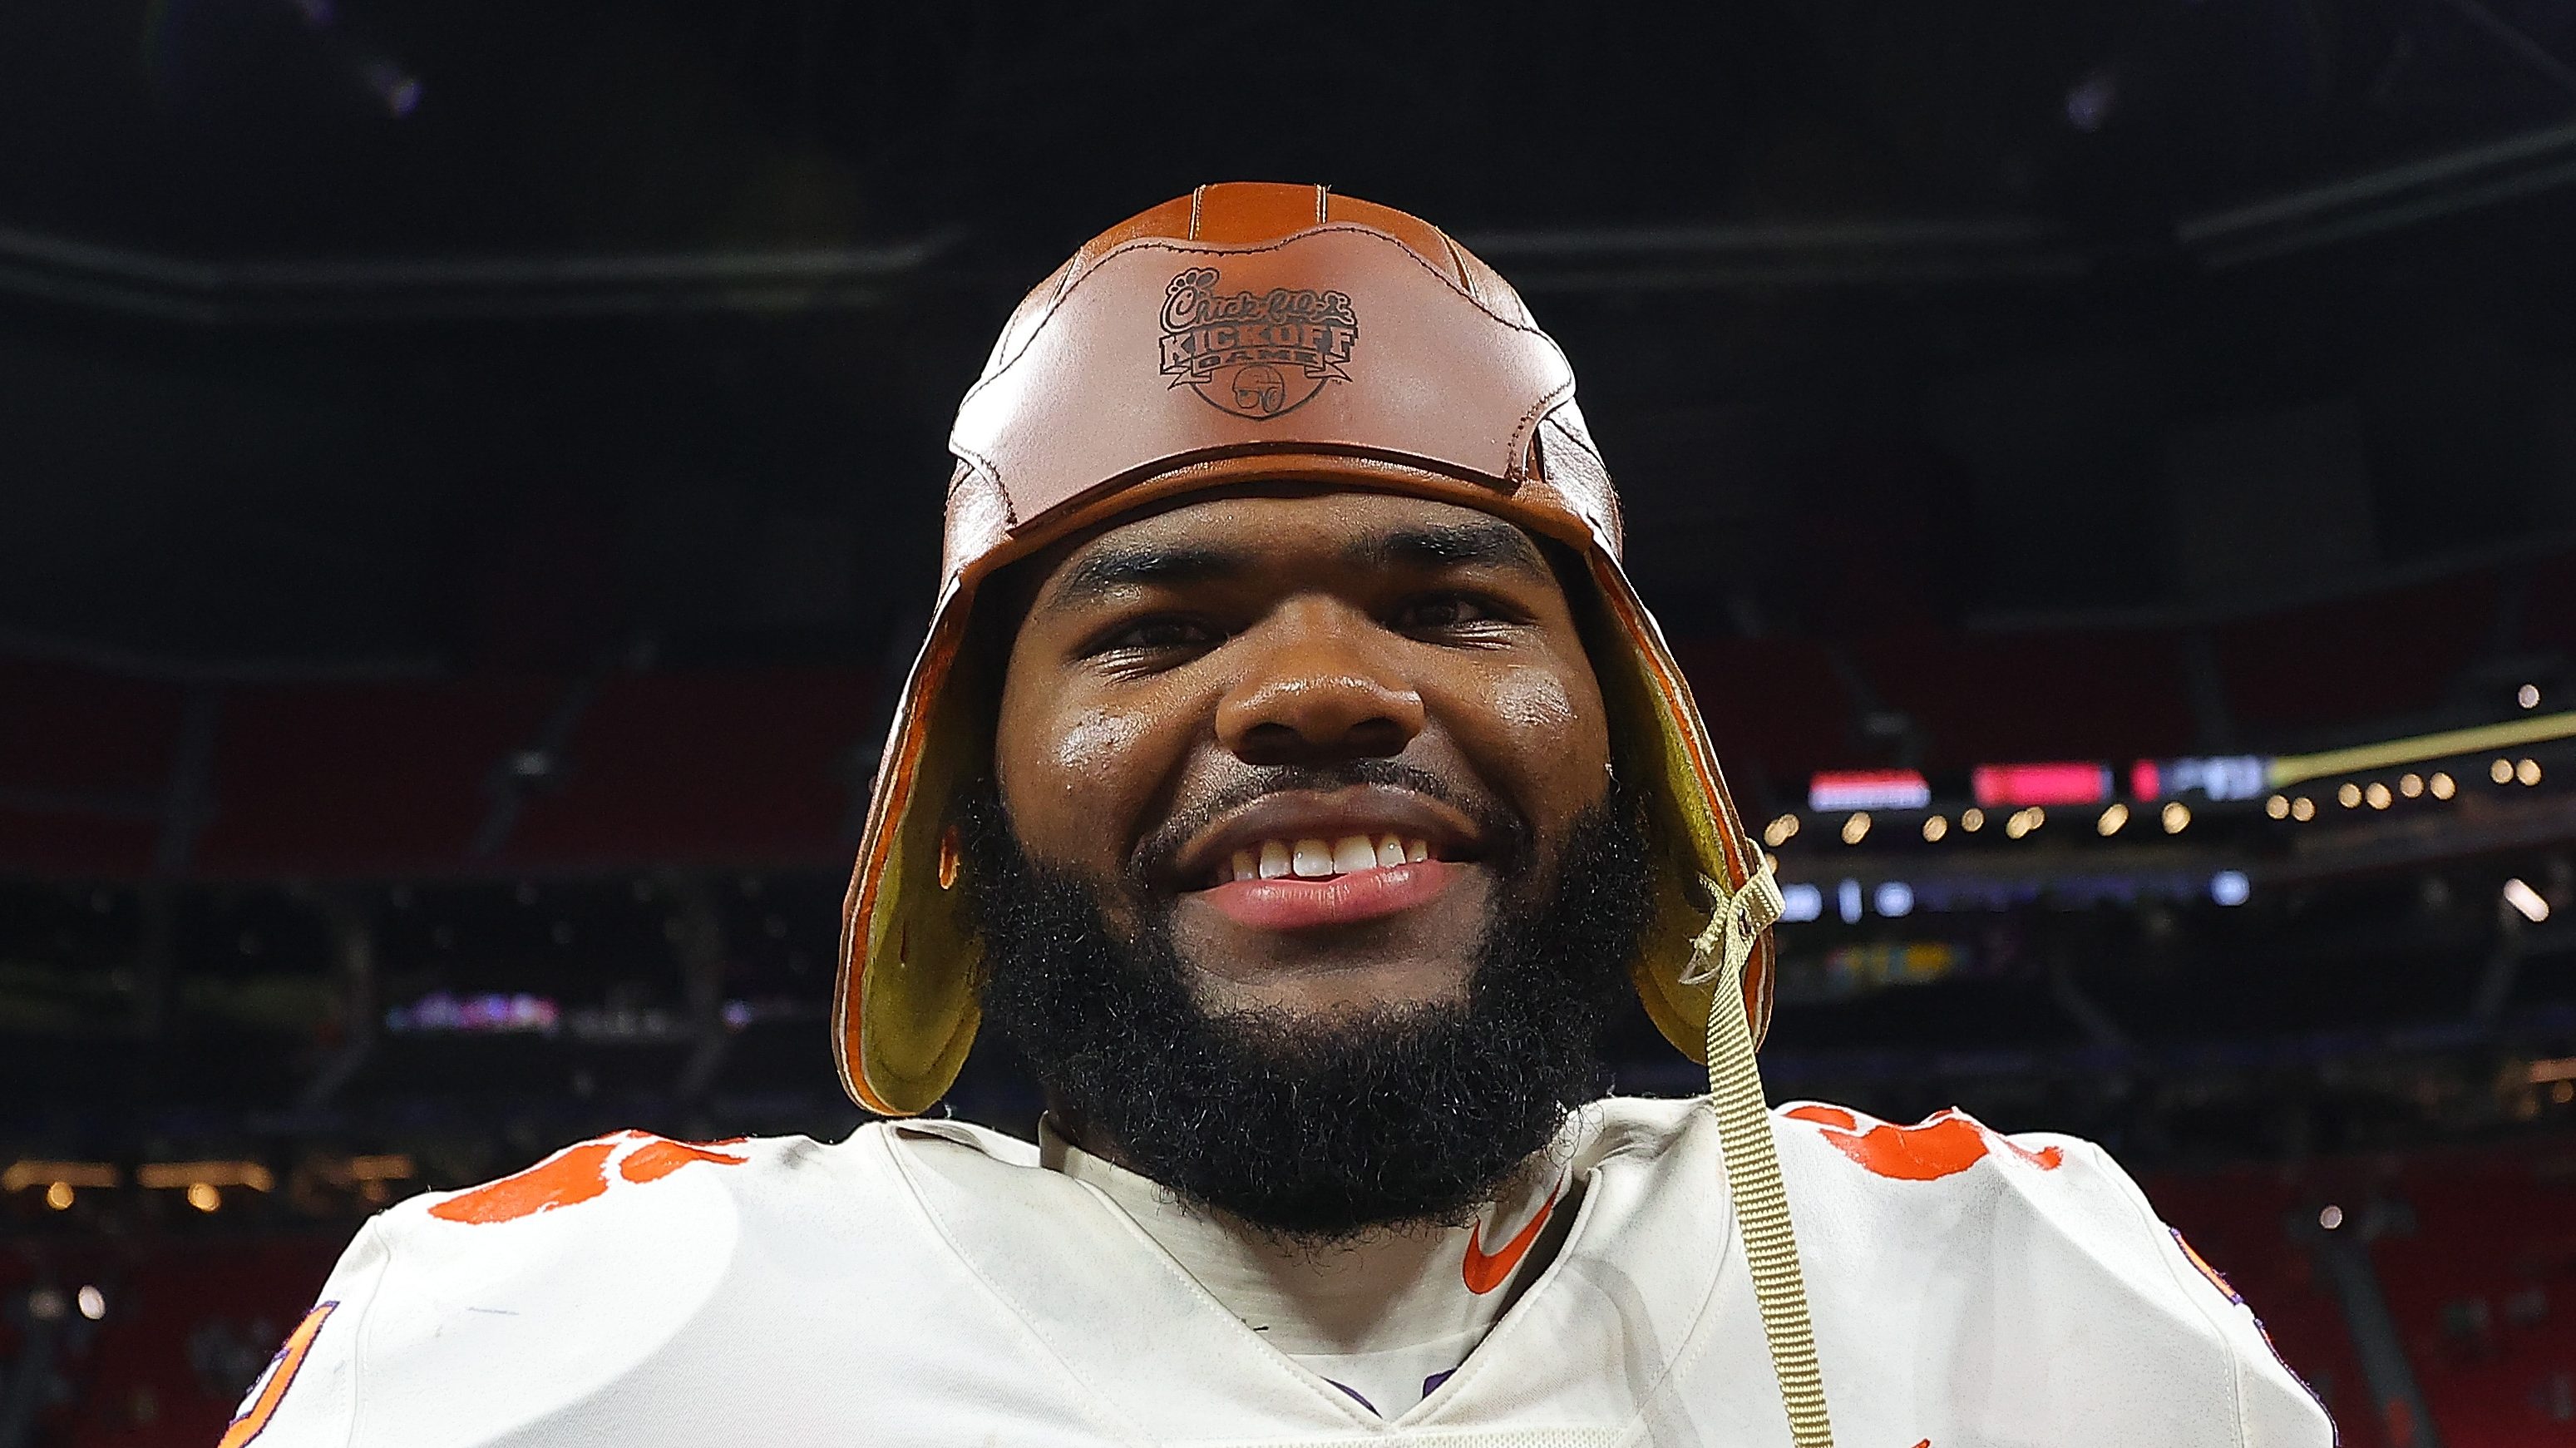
483 334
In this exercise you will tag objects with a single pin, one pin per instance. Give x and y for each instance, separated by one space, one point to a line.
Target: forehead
1288 528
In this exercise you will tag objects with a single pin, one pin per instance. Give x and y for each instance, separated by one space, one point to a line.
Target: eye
1445 611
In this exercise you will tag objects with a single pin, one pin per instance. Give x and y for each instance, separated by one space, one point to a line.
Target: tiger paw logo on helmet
1255 354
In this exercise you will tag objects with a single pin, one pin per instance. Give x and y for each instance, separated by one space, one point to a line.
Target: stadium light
1972 819
2278 806
2303 809
2527 771
92 1303
2113 818
163 1175
2177 817
1935 826
2377 795
2501 771
2526 901
2348 794
2442 785
2528 696
2410 785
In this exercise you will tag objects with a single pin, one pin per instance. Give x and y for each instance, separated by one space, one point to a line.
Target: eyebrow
1449 545
1108 570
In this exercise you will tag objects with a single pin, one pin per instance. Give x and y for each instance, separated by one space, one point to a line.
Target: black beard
1316 1129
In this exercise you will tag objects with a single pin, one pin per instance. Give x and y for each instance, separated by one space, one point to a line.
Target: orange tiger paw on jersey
1943 1144
579 1174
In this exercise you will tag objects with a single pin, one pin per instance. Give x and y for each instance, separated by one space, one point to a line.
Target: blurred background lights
2348 794
1847 901
2230 887
2527 771
2443 786
2278 806
1780 831
2113 818
204 1197
46 1304
2528 696
1856 828
2176 816
2303 808
2330 1217
2501 771
2089 104
2376 795
1894 898
60 1196
2525 901
1801 902
1935 826
92 1303
1972 819
2410 785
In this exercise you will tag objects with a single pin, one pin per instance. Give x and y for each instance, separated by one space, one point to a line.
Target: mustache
1505 832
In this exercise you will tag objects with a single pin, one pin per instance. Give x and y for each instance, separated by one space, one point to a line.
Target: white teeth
1313 859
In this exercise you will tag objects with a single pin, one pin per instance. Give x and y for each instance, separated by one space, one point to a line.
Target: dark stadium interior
470 481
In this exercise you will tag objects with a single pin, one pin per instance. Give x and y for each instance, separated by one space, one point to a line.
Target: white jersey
927 1282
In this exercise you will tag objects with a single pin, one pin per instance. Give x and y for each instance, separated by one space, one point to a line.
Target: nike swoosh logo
1485 1272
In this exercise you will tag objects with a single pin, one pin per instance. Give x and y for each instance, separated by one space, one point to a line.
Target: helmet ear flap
1702 860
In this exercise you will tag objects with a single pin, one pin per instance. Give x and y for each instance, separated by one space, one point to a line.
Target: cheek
1066 776
1556 729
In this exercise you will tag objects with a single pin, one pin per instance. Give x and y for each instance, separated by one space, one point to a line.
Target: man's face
1311 735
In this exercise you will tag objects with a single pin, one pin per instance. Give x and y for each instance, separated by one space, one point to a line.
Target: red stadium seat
1986 698
85 760
183 1322
2484 1291
361 778
739 766
72 731
1772 704
2355 660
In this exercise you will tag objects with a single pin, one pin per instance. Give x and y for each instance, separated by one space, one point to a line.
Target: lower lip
1289 903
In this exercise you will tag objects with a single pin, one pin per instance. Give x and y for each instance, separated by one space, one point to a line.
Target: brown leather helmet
1260 331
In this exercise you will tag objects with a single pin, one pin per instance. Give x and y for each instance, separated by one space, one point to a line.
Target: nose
1317 685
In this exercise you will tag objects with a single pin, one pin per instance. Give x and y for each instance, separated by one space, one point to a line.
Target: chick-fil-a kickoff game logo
1255 354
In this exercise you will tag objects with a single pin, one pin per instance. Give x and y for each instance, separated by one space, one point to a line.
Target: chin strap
1718 958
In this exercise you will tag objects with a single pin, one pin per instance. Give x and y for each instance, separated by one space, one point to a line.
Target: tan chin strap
1752 1162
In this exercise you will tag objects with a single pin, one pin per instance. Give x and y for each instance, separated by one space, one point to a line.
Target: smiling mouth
1320 859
